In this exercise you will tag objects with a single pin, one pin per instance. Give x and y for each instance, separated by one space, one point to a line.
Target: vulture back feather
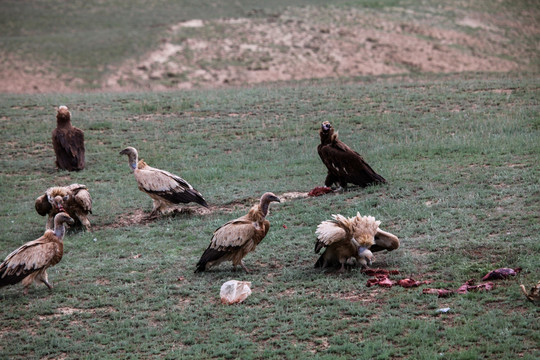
29 262
68 142
344 239
165 188
344 164
74 199
235 239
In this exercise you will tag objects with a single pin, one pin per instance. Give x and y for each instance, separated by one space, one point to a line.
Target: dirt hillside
303 43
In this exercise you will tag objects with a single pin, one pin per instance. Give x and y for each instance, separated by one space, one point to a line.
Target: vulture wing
43 207
332 231
345 163
30 257
168 186
69 148
234 236
81 196
384 241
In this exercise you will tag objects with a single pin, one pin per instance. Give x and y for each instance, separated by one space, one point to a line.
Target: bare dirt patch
140 217
314 43
302 43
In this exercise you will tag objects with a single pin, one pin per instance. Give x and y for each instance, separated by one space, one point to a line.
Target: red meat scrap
501 273
438 292
319 190
470 286
408 283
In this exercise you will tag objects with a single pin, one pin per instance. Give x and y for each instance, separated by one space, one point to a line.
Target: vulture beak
325 126
275 198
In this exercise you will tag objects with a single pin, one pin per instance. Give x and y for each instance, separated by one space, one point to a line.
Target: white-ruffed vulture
238 237
344 164
351 238
164 188
29 262
73 199
68 142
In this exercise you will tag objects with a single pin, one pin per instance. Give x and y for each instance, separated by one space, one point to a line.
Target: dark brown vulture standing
344 164
346 238
68 142
164 188
29 262
238 237
73 199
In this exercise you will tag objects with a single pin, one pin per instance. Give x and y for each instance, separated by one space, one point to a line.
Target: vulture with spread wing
344 164
68 142
164 188
73 199
238 237
351 238
29 263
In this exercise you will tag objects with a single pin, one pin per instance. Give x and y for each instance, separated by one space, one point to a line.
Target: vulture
351 238
68 142
164 188
73 199
29 263
344 164
238 237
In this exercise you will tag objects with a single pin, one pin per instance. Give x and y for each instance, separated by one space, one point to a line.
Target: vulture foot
244 267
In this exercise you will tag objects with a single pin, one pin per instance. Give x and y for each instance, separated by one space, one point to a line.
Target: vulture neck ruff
328 137
63 118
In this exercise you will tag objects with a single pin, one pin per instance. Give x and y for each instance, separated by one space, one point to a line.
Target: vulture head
133 156
364 230
266 199
57 196
59 220
326 127
63 217
365 256
327 132
63 115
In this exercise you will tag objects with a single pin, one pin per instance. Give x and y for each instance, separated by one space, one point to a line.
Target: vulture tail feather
186 196
209 256
320 262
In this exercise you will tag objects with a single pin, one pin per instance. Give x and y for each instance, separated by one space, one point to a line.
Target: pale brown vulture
344 164
73 199
238 237
29 262
164 188
351 238
68 142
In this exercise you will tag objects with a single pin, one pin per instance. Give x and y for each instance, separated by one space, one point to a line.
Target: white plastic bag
234 291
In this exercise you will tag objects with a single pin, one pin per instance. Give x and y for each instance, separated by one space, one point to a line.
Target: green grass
461 160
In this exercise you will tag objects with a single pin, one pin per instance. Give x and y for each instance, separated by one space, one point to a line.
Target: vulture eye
65 198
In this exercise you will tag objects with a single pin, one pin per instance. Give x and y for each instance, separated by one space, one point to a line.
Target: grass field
460 151
461 159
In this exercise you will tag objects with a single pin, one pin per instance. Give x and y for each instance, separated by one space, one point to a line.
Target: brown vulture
351 238
29 262
68 142
73 199
238 237
344 164
164 188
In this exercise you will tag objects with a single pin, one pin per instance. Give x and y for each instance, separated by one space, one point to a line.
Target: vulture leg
50 223
45 279
330 179
342 268
86 223
244 266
